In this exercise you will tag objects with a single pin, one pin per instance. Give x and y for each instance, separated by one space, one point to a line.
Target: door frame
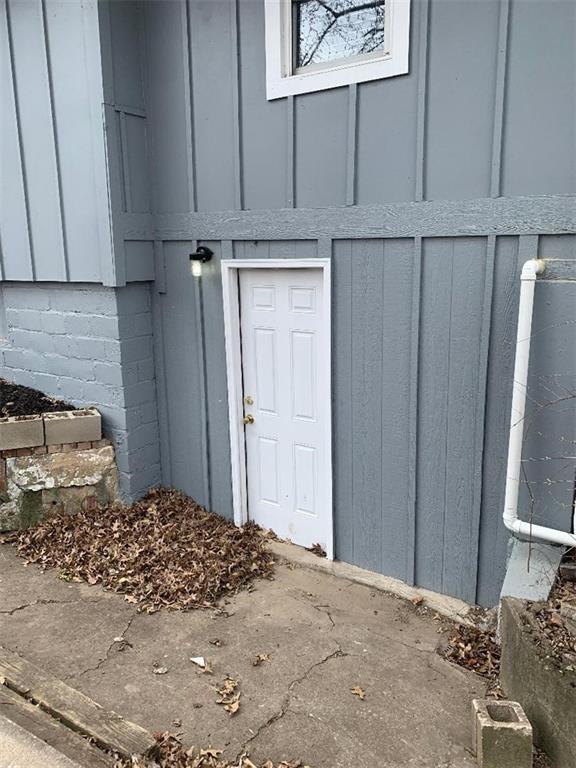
231 303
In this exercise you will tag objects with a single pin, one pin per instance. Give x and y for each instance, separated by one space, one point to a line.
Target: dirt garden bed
165 551
17 400
556 620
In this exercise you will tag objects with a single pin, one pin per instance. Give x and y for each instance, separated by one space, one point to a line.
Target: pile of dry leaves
168 752
474 650
163 551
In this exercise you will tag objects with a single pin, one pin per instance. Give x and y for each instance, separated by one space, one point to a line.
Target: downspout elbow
532 268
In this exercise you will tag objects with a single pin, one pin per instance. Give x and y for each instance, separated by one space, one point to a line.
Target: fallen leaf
210 752
418 600
229 696
317 549
360 692
260 658
234 705
160 670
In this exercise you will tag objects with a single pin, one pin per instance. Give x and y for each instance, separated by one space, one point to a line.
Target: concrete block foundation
502 735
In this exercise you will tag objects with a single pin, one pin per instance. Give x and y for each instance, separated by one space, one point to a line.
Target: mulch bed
16 400
554 626
168 752
164 551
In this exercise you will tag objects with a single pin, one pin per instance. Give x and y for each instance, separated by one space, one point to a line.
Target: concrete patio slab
324 636
19 749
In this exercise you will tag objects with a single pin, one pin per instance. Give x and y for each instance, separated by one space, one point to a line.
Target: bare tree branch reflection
334 29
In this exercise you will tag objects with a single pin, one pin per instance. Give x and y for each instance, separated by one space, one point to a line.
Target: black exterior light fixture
201 255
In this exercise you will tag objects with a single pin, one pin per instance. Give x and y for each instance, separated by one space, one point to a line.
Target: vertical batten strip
236 106
204 436
290 154
527 248
352 422
447 397
351 145
479 419
95 53
150 129
499 99
20 146
410 572
324 248
160 364
421 96
65 257
126 182
189 103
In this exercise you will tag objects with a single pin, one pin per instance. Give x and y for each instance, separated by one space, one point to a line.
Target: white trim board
231 305
282 80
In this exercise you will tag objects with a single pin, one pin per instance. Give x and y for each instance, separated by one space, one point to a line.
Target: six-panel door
282 340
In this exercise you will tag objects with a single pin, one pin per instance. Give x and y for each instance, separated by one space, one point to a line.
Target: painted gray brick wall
92 346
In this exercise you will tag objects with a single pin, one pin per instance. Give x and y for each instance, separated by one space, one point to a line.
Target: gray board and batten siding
427 191
62 129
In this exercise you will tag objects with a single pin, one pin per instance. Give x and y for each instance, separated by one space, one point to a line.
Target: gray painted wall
91 346
412 185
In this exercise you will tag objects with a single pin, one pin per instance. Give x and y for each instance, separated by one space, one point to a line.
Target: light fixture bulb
197 268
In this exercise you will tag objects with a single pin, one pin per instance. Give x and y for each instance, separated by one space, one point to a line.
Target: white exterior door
287 466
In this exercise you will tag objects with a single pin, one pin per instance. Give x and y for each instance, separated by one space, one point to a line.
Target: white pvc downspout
530 270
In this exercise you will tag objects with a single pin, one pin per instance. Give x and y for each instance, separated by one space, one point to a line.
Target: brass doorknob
249 419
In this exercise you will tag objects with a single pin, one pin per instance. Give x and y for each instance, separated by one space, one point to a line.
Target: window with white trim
312 45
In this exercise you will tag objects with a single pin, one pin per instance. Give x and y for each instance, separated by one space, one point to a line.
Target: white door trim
234 378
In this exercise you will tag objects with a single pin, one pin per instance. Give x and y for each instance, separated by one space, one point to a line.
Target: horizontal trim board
563 270
555 214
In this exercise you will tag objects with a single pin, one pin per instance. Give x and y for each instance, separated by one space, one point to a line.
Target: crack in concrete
284 707
395 640
106 657
324 609
23 607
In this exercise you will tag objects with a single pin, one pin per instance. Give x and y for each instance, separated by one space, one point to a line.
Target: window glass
327 30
